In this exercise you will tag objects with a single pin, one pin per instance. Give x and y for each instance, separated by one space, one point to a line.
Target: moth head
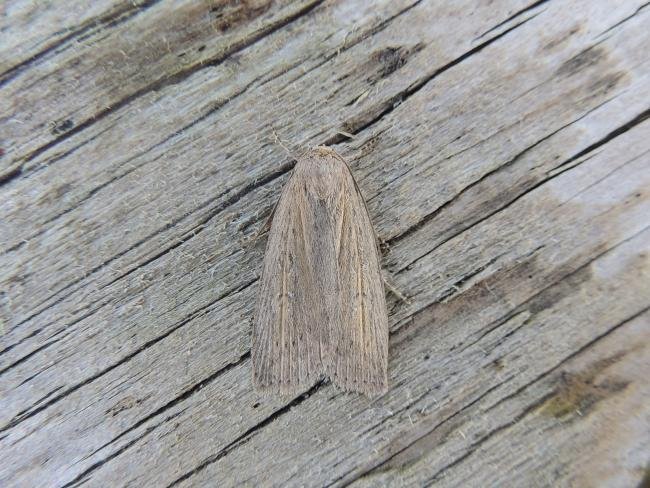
323 172
324 151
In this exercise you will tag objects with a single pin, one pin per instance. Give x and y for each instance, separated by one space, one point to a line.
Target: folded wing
321 308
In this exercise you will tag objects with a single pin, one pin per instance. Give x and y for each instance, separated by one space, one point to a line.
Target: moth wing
361 361
286 348
321 306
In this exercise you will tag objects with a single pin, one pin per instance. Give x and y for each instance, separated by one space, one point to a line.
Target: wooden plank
32 31
504 155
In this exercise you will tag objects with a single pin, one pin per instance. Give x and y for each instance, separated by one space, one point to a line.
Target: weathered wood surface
504 151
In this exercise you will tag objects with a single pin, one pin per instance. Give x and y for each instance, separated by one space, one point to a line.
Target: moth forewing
321 309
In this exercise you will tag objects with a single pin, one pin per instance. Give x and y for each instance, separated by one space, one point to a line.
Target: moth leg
395 291
383 247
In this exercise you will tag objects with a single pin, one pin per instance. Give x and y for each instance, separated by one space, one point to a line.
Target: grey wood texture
504 152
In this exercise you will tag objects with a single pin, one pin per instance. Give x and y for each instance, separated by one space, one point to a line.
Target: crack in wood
83 476
603 178
248 435
12 174
175 78
176 400
380 110
568 358
31 377
490 174
33 410
512 17
197 229
194 231
111 19
365 35
35 314
528 303
640 118
536 404
511 201
456 287
27 356
530 408
46 223
376 467
213 109
29 336
625 19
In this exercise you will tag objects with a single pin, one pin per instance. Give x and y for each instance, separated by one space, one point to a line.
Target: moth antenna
279 142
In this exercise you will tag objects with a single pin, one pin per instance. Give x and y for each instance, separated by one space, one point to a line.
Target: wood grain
503 151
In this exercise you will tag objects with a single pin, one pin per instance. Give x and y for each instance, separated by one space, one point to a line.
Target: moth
321 310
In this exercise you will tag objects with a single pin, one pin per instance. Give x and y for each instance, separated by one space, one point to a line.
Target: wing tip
289 387
369 388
